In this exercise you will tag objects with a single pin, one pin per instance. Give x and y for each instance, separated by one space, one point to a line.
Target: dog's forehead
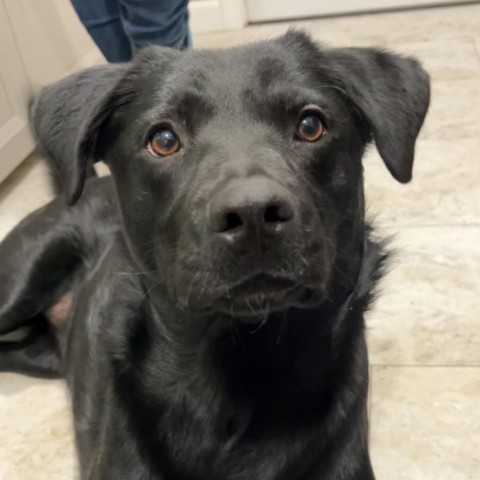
226 76
268 82
262 64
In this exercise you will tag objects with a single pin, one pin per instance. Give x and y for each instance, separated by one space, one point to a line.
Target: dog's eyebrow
293 97
188 107
282 101
192 101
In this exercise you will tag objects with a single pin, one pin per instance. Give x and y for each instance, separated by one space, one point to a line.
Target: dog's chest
246 430
235 449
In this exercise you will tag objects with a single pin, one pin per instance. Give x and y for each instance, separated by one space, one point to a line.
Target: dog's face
234 171
239 172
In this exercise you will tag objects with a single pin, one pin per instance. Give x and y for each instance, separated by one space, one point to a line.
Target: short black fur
197 347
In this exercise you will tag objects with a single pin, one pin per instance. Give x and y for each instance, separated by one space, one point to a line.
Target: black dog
205 303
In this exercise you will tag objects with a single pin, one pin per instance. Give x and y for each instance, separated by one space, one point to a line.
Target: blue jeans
120 27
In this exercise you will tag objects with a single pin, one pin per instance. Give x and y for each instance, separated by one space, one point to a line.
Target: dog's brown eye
310 128
163 143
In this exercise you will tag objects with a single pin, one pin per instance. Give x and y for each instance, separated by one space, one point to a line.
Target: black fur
187 356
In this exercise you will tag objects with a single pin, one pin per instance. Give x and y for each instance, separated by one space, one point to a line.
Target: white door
212 15
15 139
264 10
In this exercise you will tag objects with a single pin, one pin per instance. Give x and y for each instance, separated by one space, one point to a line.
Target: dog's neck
257 358
224 385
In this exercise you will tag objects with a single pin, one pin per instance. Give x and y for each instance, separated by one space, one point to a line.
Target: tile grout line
370 391
399 365
440 225
370 403
477 50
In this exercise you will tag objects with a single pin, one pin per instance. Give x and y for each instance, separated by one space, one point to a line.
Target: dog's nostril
277 214
232 220
271 215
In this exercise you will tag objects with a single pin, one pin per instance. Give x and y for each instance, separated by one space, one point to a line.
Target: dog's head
238 172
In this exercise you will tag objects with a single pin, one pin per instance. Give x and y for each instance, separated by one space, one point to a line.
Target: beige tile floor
424 331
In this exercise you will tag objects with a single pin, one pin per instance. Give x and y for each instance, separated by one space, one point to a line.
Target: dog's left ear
392 93
66 118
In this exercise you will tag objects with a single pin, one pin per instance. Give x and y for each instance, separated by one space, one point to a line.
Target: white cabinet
51 40
40 41
43 40
15 140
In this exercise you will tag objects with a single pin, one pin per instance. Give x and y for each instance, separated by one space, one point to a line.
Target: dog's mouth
262 284
263 294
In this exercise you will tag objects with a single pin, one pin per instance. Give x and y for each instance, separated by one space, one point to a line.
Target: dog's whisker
146 272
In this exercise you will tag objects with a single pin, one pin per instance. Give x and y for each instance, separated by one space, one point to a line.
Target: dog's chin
252 307
257 297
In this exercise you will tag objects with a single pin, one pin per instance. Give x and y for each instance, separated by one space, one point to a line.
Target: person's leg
102 20
156 22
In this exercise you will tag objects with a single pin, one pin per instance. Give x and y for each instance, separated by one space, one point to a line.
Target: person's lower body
120 27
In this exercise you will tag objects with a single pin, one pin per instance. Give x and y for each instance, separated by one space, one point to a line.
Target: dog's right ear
66 119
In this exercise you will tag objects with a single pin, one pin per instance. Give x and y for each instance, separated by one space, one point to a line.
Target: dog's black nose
252 210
